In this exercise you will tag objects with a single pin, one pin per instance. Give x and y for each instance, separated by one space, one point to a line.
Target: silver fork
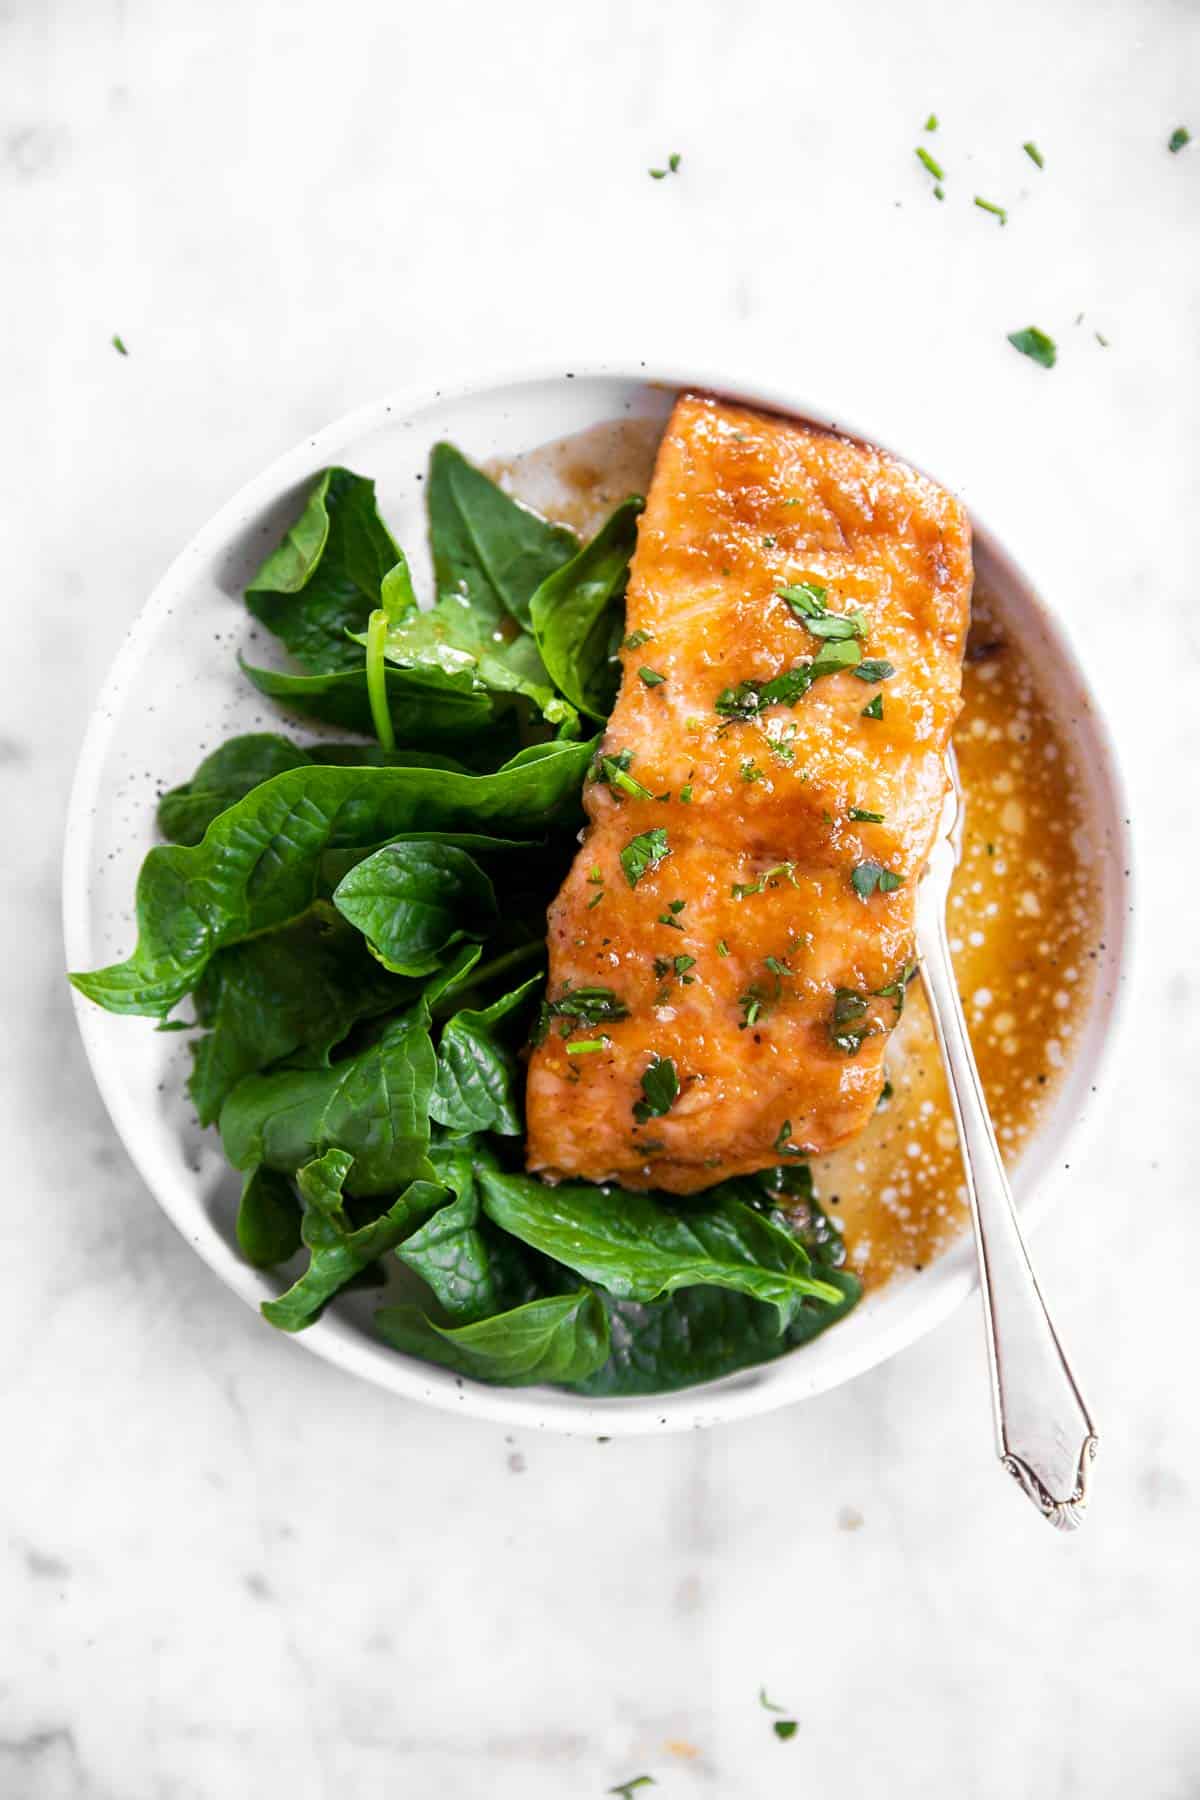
1044 1432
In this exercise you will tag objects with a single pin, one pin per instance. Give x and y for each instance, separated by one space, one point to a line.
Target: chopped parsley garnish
614 771
784 1729
1178 138
594 901
935 169
1035 345
749 698
722 947
626 1788
838 625
874 708
118 344
861 817
683 964
931 124
742 889
806 598
768 543
595 874
850 1024
873 669
807 601
838 654
651 677
660 1090
1034 154
685 794
750 769
751 1003
586 1046
636 639
762 1692
990 206
865 877
643 853
885 1094
587 1006
672 168
939 192
783 1147
896 990
677 906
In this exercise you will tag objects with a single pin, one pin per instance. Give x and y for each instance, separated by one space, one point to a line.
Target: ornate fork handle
1044 1433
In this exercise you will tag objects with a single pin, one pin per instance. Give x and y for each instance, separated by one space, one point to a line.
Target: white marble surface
227 1571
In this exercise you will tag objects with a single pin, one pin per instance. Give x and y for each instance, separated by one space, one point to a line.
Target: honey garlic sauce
1023 921
1023 917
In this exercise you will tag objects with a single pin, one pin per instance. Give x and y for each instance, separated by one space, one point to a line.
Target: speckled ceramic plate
174 693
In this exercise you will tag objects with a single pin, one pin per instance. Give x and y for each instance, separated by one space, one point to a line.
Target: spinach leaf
244 763
300 988
577 614
268 1220
639 1248
239 765
476 1071
454 638
428 705
258 864
413 901
373 1105
473 1269
563 1338
338 1252
698 1334
324 579
487 547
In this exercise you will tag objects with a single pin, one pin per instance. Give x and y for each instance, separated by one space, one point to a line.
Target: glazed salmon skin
729 950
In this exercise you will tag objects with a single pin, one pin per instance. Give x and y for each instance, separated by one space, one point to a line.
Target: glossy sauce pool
1023 919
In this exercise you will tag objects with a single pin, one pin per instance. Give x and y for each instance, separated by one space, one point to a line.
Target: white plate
174 693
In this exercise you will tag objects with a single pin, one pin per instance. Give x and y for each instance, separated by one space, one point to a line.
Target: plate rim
752 1392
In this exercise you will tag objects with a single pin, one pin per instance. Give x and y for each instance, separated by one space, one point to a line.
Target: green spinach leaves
360 926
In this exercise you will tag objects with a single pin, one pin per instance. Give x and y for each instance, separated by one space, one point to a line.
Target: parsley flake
784 1147
586 1046
861 817
989 206
660 1090
626 1788
636 639
874 708
685 794
1035 345
874 669
118 344
931 124
1034 154
1178 138
643 853
651 677
784 1729
806 598
742 890
927 162
865 877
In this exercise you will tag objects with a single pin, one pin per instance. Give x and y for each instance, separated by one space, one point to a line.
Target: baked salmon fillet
729 951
